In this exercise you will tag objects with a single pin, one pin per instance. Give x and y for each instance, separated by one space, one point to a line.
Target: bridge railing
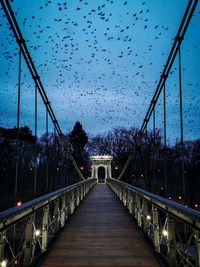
26 232
173 229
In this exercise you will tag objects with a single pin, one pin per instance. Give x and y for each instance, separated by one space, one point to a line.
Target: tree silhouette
78 139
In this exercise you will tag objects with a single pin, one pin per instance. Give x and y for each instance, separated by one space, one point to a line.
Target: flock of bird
100 62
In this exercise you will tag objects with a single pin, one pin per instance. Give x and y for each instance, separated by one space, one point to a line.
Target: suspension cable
47 154
165 142
154 138
174 50
35 146
181 120
21 42
18 118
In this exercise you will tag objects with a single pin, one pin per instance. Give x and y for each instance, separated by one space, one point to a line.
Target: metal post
82 192
119 189
67 212
63 211
156 229
171 242
72 201
77 196
55 224
135 207
87 188
120 192
139 217
28 241
130 202
124 196
145 213
2 246
197 244
181 119
45 228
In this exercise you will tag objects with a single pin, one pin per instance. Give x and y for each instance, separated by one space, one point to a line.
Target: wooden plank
101 233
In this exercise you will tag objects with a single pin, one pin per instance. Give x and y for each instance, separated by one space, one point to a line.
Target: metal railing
27 231
173 229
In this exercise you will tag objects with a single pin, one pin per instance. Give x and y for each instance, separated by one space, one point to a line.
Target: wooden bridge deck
100 233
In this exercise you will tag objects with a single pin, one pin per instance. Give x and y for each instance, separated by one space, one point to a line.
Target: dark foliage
55 170
147 167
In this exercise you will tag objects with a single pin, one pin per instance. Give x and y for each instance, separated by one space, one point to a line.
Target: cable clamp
20 41
36 77
179 38
163 76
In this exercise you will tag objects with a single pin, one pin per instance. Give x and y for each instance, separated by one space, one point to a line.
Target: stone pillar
96 172
106 171
92 170
109 171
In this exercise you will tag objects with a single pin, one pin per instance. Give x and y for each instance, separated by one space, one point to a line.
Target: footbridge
92 224
88 222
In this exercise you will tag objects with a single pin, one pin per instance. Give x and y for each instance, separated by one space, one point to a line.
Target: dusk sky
99 62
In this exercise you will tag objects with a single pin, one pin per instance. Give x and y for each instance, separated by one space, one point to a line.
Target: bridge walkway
101 233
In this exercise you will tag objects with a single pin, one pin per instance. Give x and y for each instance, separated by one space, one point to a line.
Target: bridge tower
101 161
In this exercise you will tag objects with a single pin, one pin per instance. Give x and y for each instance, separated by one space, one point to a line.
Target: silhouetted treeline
55 170
147 167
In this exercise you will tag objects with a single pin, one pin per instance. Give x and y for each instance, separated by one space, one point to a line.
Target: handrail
178 210
26 232
12 215
172 228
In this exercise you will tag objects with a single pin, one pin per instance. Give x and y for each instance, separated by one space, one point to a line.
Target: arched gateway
101 161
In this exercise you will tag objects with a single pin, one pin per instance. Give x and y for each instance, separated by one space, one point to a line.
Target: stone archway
101 161
101 174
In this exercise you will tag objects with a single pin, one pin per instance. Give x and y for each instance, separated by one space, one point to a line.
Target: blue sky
100 62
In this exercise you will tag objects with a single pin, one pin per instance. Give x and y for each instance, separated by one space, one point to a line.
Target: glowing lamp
116 168
3 263
82 168
37 233
165 233
148 217
19 203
